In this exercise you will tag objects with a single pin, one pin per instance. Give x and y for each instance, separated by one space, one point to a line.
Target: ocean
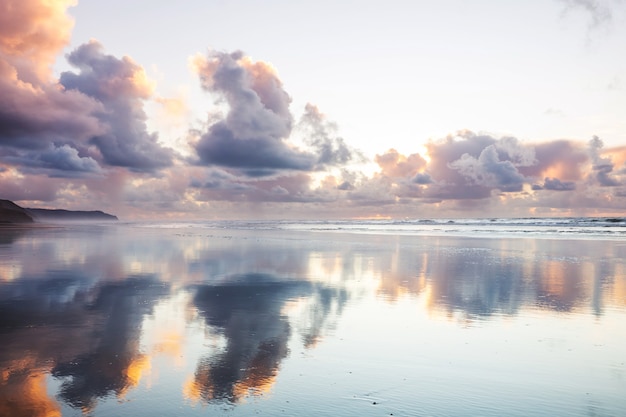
440 317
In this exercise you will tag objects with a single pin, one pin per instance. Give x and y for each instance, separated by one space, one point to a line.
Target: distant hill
51 215
11 213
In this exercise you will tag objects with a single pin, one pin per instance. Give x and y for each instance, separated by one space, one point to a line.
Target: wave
556 227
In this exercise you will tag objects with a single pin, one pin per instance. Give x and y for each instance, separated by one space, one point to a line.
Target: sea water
454 317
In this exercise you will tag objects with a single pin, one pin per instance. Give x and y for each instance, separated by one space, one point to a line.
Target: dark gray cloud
120 85
42 124
470 166
345 186
422 178
331 150
511 149
555 184
450 183
252 136
215 178
255 156
34 115
602 166
489 170
56 161
50 127
75 127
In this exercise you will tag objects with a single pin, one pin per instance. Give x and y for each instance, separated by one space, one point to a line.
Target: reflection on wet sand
57 295
89 340
113 363
490 276
248 312
74 304
23 391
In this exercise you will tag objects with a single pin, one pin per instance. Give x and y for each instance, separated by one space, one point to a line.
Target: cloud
345 186
35 110
81 123
352 188
173 111
551 112
489 170
395 165
252 136
27 188
319 134
471 173
470 166
555 184
219 185
89 128
562 159
450 183
254 156
466 174
601 166
422 178
57 161
32 32
121 86
616 84
599 11
34 115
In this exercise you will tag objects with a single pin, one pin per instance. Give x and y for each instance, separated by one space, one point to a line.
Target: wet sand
128 320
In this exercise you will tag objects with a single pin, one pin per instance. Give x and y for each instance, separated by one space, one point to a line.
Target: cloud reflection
74 302
115 363
88 337
484 277
24 394
249 312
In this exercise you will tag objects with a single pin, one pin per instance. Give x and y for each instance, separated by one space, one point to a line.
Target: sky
314 110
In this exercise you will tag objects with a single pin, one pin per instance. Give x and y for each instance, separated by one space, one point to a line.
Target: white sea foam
567 228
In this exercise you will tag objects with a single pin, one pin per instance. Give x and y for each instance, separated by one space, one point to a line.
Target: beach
435 318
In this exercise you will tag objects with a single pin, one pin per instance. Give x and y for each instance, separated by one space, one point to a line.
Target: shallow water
204 319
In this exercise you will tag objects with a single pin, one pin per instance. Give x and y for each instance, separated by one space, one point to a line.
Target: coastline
13 214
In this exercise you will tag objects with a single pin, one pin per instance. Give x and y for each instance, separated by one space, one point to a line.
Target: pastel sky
328 109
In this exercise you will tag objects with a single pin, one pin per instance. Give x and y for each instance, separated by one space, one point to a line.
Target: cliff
11 213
